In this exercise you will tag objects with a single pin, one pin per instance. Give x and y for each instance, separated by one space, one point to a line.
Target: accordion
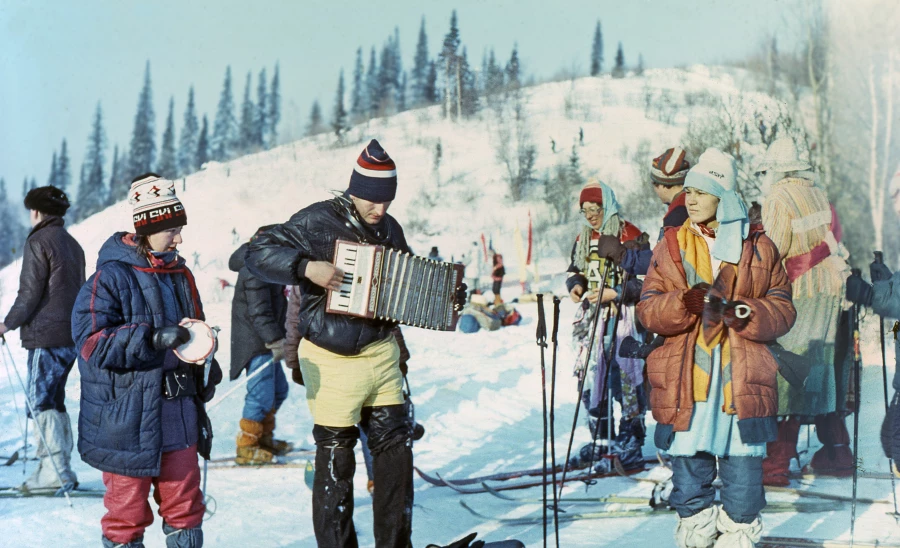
386 284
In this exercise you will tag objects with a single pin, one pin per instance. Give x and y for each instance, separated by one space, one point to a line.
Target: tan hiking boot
267 439
249 452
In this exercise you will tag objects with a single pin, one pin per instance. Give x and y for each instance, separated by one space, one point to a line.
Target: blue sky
59 58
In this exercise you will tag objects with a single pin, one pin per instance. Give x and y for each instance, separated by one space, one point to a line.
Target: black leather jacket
280 255
52 274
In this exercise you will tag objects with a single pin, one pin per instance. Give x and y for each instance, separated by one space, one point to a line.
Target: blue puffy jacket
121 425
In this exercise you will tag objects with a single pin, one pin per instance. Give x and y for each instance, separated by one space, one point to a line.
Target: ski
500 476
296 453
529 483
15 492
777 507
231 465
790 542
822 495
862 475
608 499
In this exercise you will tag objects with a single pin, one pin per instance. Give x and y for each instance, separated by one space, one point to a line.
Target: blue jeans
48 370
743 496
266 391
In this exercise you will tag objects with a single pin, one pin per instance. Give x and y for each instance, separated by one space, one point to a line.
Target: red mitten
693 298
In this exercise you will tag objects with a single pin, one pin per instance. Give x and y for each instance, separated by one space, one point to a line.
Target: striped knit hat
670 168
591 192
155 206
374 176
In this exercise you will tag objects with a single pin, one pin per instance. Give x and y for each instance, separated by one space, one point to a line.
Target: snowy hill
479 396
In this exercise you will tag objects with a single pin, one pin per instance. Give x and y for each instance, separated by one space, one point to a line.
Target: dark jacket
763 285
886 303
122 421
52 274
280 255
258 310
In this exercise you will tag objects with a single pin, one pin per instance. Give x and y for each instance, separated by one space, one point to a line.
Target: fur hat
374 176
156 207
48 200
670 168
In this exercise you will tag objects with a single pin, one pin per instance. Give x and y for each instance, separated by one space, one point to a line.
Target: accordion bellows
386 284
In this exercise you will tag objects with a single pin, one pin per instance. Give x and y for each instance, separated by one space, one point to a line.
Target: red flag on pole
484 247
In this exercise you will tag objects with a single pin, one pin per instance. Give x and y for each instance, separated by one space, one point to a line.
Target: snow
478 396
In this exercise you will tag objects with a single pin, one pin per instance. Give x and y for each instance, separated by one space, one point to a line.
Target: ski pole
879 258
583 376
234 388
554 339
856 405
541 336
40 432
608 387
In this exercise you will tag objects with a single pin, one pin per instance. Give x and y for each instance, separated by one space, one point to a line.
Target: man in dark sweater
52 274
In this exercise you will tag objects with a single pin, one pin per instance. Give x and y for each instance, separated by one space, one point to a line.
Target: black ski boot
466 542
333 486
628 445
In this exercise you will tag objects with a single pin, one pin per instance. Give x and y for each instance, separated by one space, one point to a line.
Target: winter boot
268 442
629 444
497 300
737 535
699 530
776 465
136 543
249 451
835 457
54 426
392 467
183 538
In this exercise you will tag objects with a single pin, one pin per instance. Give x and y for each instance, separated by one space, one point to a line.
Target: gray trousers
743 495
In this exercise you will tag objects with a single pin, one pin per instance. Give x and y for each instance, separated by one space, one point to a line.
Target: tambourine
201 344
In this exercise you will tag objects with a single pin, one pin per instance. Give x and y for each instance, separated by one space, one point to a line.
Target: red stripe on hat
376 167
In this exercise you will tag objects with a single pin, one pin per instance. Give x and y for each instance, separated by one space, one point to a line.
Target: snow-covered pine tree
248 116
597 51
51 180
63 168
513 82
115 173
315 120
401 93
357 93
274 109
372 85
339 114
143 141
11 227
493 75
168 162
618 70
225 132
387 79
187 144
120 180
430 91
398 77
261 117
419 76
202 155
92 189
639 69
447 60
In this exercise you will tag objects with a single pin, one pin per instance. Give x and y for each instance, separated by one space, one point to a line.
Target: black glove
462 295
215 377
169 337
297 376
609 247
858 291
404 368
630 348
879 272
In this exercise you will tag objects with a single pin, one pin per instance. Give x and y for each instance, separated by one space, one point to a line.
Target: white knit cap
783 156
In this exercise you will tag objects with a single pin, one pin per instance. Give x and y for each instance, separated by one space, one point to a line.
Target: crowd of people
732 333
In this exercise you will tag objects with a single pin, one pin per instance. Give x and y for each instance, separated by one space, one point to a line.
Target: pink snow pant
176 491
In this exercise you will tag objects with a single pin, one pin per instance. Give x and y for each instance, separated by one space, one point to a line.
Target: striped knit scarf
698 268
611 227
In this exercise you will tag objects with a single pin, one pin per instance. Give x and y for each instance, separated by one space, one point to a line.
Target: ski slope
479 395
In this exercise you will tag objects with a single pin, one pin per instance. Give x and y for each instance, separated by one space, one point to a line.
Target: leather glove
462 295
731 314
169 337
879 272
609 247
277 349
215 377
297 376
693 298
858 291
